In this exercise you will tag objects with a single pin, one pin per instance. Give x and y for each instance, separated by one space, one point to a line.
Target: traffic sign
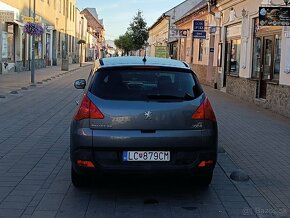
199 34
198 25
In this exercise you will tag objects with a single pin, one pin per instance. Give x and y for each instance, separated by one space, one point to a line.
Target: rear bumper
105 148
181 162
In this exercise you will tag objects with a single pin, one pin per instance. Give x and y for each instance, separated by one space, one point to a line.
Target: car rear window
145 84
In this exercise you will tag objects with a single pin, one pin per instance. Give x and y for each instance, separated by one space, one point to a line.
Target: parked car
142 115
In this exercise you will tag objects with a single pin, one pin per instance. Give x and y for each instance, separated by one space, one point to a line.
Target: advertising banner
161 51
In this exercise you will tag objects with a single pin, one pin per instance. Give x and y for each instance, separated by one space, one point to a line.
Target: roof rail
186 64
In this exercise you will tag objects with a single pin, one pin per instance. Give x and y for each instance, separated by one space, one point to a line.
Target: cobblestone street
35 166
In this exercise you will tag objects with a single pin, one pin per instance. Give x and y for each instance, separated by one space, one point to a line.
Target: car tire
79 180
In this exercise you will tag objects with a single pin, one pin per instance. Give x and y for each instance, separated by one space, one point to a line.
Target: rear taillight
204 112
88 110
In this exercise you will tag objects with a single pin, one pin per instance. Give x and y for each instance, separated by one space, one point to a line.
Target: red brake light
205 163
88 110
204 112
85 163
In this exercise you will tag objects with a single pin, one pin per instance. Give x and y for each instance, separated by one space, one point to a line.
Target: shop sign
199 34
274 16
183 33
26 19
6 16
161 51
173 33
198 25
178 33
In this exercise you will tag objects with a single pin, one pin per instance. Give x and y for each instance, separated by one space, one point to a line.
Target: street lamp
82 29
32 53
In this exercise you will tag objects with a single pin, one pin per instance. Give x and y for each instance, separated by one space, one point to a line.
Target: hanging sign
274 16
198 25
199 34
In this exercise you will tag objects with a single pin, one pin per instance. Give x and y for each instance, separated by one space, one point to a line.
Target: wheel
79 180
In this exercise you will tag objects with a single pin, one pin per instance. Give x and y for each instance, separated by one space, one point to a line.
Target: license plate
146 156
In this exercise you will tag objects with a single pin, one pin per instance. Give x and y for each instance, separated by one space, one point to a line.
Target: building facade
200 48
96 34
158 38
68 34
256 65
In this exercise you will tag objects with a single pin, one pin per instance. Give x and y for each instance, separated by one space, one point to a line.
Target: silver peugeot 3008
142 115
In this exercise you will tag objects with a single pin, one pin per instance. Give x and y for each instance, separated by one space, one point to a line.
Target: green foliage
124 42
135 37
138 31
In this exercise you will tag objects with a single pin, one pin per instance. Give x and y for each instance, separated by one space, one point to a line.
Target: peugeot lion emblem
148 115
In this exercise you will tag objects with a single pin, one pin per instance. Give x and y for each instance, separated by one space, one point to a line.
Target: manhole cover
2 96
239 176
14 92
150 201
24 88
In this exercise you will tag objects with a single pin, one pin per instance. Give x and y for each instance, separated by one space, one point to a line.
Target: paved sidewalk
13 82
258 141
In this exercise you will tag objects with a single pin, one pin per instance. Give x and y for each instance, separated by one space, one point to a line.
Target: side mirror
80 84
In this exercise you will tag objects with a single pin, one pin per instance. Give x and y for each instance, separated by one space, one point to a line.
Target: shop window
10 47
38 47
277 57
73 14
200 50
59 6
63 7
58 44
233 62
257 58
70 10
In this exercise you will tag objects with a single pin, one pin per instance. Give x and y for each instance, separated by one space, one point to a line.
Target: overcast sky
117 14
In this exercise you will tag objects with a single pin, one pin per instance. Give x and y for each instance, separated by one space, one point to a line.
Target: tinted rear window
145 84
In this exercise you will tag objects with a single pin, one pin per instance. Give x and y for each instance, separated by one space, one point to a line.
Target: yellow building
57 17
158 38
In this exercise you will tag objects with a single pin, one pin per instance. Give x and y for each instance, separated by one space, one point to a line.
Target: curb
21 88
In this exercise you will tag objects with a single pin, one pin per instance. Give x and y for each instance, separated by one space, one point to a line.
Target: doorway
267 65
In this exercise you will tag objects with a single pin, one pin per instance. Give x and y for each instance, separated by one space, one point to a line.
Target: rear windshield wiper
186 97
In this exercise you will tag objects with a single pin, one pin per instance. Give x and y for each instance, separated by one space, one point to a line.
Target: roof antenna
144 58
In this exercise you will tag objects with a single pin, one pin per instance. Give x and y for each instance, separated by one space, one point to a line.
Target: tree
124 42
135 37
138 31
